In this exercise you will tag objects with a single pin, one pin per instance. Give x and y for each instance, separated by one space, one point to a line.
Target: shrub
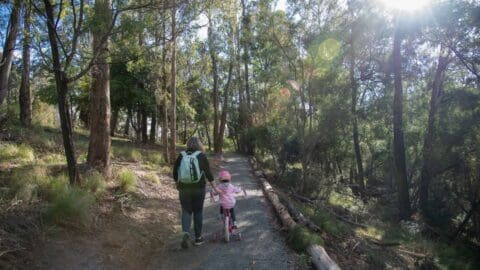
71 208
127 154
16 153
300 238
128 180
155 158
52 158
153 177
94 182
25 182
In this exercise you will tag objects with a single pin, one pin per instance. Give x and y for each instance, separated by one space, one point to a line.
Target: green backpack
189 171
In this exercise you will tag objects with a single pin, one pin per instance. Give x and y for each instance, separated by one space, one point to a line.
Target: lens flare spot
329 49
285 93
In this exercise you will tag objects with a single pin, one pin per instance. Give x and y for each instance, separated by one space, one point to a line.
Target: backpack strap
196 153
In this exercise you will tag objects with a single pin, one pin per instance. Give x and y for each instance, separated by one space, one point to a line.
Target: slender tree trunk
114 121
209 140
356 145
61 82
400 174
25 99
126 131
138 126
427 167
462 226
144 126
153 126
223 120
213 56
166 155
99 145
8 48
173 124
246 40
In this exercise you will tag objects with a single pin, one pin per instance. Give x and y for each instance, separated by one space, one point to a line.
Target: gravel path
262 246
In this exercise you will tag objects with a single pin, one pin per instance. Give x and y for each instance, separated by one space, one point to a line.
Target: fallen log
281 210
300 218
320 258
413 254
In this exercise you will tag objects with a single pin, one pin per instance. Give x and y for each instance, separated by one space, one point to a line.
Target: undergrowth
127 180
300 238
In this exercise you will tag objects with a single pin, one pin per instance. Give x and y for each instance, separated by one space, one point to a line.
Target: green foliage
127 180
300 238
72 208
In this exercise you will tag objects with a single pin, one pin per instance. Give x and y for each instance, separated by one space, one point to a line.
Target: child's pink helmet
224 175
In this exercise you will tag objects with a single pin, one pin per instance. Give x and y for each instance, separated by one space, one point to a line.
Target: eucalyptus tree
8 49
25 96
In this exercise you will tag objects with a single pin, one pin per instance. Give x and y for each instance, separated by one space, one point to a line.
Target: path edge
319 255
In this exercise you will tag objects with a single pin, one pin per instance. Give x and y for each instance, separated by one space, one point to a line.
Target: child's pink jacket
227 197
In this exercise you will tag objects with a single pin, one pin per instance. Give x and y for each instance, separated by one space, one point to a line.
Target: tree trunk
153 126
400 174
356 144
164 97
8 48
427 167
213 56
25 99
99 144
208 137
173 119
223 120
246 39
144 126
126 131
62 91
114 121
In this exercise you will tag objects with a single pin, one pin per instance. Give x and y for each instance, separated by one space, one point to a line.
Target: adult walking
191 170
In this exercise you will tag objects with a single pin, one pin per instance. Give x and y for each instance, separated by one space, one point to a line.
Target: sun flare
406 5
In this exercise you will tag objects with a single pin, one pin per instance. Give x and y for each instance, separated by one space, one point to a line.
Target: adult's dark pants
191 200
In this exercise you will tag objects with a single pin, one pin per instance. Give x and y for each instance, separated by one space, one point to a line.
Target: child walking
227 194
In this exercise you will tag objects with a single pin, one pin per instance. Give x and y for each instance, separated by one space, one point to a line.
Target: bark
61 82
356 144
126 130
246 32
8 48
153 126
99 145
213 57
144 126
400 173
25 99
223 120
164 98
427 167
114 121
173 119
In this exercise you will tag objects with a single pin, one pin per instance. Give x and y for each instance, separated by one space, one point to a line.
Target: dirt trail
142 231
262 246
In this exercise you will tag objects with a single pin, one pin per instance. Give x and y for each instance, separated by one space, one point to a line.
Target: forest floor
139 229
